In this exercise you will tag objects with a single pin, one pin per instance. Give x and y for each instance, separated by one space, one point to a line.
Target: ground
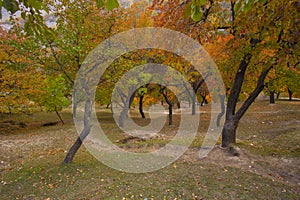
264 164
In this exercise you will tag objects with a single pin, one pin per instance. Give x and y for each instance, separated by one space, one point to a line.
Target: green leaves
10 5
36 5
99 3
196 13
109 4
187 11
202 2
194 10
55 91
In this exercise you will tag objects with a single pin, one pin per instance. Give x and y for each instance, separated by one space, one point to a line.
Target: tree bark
278 94
86 130
170 105
71 153
272 97
290 94
194 104
170 114
232 118
141 106
123 116
196 85
220 115
229 132
58 115
127 101
204 101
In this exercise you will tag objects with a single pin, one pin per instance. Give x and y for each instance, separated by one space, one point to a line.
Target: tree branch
259 87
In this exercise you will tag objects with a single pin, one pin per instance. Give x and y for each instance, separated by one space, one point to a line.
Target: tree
263 35
170 99
19 90
141 94
265 44
292 81
54 97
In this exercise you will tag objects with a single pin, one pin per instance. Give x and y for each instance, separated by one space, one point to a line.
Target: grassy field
267 165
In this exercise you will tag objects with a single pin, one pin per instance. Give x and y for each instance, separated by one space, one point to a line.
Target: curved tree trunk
141 106
278 94
86 130
58 115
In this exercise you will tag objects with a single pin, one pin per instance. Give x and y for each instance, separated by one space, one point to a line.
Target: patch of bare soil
285 170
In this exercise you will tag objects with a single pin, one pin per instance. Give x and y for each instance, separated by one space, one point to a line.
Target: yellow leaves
268 52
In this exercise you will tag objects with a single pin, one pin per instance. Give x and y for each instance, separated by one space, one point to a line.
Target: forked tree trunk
170 104
196 85
127 101
232 116
204 101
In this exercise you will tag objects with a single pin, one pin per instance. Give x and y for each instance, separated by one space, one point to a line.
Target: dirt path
284 170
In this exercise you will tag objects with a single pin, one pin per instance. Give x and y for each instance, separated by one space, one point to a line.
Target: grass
31 161
87 179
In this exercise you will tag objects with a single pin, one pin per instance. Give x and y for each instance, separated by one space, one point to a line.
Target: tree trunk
233 116
71 153
290 94
196 85
107 106
220 115
123 116
229 132
141 106
278 94
170 114
272 97
84 133
204 101
58 115
193 104
170 104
